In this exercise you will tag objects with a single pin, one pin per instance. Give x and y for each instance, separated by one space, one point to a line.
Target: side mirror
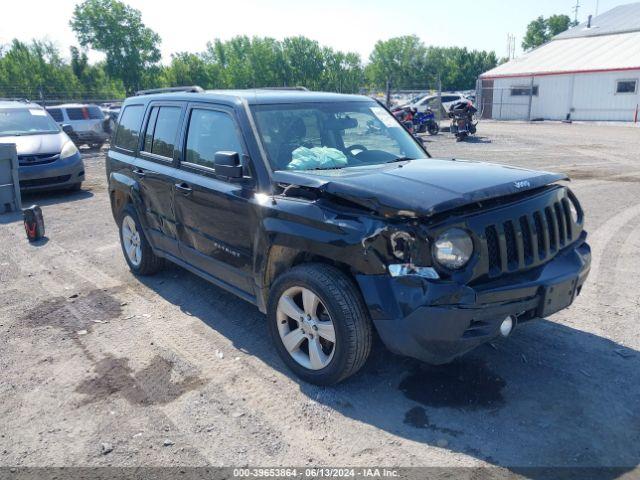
66 128
227 164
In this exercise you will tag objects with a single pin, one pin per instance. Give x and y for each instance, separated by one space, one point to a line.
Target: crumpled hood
421 187
34 144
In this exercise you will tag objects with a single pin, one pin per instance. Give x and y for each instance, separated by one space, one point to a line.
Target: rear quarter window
128 130
95 113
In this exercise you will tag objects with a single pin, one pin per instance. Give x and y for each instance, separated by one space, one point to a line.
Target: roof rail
299 88
190 89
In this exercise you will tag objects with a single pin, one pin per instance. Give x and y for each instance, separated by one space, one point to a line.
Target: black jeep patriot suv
323 211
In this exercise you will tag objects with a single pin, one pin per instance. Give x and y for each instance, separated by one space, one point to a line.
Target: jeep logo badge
522 184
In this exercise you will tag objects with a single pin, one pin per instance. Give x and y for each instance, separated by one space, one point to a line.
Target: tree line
132 62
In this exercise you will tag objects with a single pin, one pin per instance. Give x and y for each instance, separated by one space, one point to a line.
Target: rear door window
56 114
210 131
128 130
75 113
162 129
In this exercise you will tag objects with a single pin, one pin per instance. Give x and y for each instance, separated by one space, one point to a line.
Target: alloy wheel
305 327
131 241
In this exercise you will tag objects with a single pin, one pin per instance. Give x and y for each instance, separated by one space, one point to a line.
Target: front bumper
62 173
88 137
436 321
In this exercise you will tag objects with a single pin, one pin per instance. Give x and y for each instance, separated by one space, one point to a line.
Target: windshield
26 121
312 136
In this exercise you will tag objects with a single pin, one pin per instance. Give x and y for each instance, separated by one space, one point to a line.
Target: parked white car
90 125
431 101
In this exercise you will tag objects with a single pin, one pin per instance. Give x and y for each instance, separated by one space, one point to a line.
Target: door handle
139 173
183 188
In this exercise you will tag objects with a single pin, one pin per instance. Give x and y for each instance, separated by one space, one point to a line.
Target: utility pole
511 46
575 11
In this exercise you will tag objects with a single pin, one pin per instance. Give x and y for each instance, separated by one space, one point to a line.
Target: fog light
506 326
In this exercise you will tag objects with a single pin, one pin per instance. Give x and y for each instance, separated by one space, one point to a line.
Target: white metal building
589 72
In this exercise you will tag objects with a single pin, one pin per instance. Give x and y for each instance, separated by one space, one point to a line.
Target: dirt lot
173 371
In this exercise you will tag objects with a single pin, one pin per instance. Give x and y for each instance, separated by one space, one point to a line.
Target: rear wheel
137 251
319 323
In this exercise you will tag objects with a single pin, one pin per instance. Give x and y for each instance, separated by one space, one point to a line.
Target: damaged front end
439 281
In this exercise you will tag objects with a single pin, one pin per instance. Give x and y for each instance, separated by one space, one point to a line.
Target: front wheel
319 324
433 128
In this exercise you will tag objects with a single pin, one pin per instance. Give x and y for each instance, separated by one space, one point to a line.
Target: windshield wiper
399 159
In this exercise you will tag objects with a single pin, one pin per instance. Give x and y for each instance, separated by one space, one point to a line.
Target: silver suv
47 157
90 125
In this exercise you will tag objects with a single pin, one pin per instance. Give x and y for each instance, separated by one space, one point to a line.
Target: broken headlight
453 248
404 269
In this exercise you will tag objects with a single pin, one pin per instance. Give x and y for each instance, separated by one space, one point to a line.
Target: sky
347 25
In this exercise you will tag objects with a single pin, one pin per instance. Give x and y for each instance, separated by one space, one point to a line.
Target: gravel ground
101 368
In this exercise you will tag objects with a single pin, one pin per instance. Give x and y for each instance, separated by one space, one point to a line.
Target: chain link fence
611 96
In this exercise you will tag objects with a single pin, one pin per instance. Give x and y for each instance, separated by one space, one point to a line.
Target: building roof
624 18
611 44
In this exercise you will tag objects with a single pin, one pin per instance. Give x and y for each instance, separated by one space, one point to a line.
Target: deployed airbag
303 158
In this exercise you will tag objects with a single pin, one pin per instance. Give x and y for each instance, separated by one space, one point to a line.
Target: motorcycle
463 122
418 122
426 122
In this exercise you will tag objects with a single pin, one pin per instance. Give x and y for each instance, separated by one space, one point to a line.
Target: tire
433 128
145 262
96 146
341 303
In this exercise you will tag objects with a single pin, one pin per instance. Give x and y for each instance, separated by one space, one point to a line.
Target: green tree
111 27
192 69
34 70
559 23
400 61
541 30
304 62
94 81
536 34
245 62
